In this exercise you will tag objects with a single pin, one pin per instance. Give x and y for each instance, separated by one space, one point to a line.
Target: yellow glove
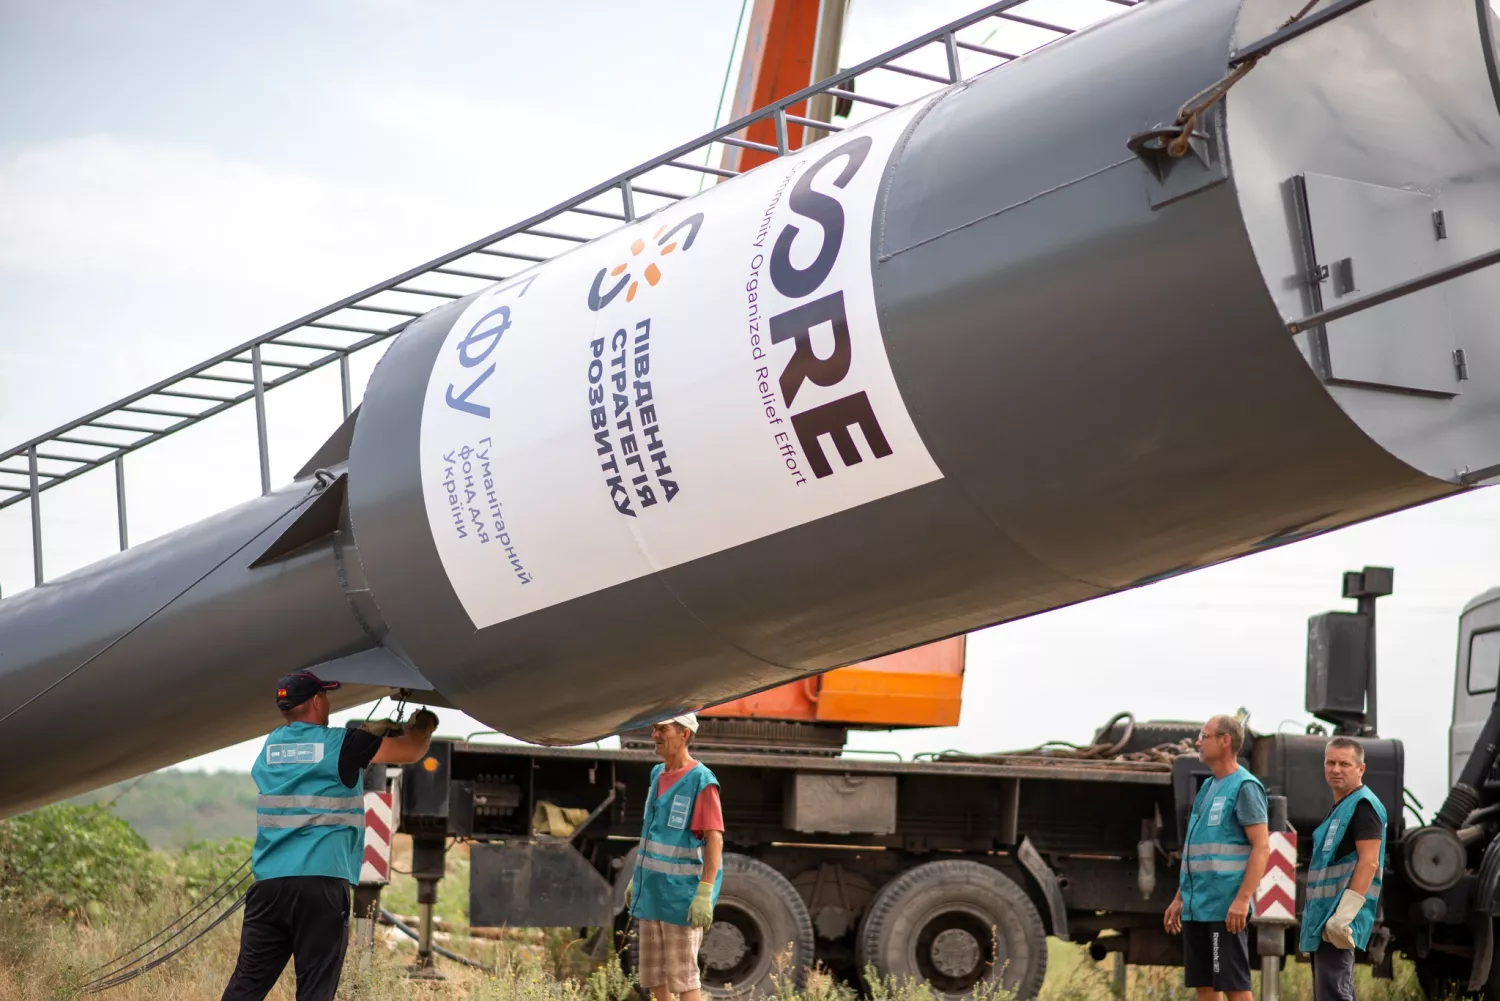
701 910
1337 931
629 892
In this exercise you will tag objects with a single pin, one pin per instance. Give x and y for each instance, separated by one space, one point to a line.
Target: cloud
128 207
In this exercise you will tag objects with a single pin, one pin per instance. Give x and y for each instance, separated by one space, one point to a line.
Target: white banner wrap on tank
709 375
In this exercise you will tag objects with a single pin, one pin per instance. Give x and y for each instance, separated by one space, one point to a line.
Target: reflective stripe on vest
281 820
671 851
311 802
1327 879
1216 852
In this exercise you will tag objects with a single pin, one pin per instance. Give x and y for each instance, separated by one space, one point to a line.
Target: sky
177 177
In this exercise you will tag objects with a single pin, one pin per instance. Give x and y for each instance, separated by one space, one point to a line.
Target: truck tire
760 918
955 924
1151 733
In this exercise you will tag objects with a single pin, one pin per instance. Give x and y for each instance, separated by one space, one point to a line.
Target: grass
49 957
1073 976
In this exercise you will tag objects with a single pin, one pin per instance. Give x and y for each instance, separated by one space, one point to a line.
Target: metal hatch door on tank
922 686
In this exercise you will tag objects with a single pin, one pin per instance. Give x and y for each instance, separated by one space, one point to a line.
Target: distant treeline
170 808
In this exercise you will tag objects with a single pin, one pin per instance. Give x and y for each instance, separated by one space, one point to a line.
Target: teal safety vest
1327 877
307 822
669 865
1216 852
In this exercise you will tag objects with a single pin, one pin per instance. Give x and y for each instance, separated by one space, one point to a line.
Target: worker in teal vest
309 840
678 868
1224 856
1343 876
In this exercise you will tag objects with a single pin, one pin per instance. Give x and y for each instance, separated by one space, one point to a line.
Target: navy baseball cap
299 686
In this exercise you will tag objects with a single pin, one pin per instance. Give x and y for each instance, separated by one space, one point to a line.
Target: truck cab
1475 681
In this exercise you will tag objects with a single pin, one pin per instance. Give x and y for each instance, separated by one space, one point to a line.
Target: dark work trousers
301 917
1333 973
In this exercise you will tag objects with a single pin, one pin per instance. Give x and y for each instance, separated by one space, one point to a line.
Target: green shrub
73 860
201 866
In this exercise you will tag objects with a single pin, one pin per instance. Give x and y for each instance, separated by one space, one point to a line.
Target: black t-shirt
1365 825
360 748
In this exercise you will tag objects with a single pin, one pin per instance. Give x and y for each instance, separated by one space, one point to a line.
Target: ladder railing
330 335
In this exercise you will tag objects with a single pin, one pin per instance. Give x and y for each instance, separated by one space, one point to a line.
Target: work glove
629 893
424 720
701 910
1337 931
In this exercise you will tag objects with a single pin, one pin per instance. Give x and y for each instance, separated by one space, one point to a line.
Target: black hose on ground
387 918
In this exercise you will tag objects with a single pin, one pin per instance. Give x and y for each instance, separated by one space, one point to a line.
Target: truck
955 868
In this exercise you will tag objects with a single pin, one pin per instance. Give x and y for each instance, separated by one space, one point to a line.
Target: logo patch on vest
294 754
1216 811
678 817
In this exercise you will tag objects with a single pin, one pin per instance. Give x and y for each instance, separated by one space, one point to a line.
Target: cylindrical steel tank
966 362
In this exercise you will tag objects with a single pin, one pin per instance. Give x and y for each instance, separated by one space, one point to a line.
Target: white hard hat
688 720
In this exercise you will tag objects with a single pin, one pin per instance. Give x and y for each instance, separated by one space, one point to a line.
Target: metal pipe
434 293
1270 978
344 384
344 326
970 46
955 72
627 198
1396 291
1366 607
1271 938
260 421
850 95
825 63
120 502
460 273
799 120
158 413
642 189
510 254
700 168
36 517
554 235
919 74
1034 22
1290 31
390 309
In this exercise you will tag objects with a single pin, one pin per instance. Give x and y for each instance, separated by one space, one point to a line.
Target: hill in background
172 808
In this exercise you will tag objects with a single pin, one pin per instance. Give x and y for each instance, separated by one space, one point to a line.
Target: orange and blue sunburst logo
665 240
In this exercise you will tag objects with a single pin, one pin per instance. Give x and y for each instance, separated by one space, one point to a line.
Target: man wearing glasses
1223 857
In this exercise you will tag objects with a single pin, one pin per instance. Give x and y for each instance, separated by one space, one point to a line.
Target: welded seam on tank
882 202
168 603
887 255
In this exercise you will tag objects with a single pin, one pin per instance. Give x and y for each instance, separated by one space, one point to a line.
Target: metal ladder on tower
330 335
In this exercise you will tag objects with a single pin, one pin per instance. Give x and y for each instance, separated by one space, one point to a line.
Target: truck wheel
759 920
955 924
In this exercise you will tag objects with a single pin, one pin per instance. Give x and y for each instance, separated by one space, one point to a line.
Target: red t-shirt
708 814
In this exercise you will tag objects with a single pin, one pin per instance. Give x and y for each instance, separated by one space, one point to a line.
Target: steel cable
129 975
205 903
